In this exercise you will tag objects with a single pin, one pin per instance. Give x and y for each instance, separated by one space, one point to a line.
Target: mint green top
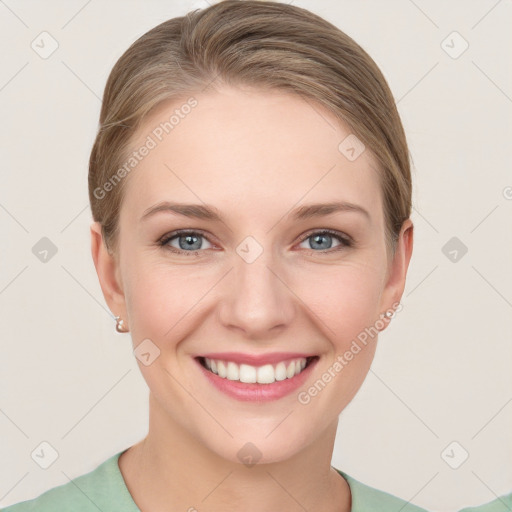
104 489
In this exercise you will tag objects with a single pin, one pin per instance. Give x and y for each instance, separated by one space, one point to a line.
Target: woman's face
256 284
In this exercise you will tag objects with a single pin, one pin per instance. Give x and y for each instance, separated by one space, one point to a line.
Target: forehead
253 148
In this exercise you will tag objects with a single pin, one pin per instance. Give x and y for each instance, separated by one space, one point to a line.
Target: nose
256 299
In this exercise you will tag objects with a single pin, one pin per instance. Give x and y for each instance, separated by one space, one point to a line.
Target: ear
397 271
107 268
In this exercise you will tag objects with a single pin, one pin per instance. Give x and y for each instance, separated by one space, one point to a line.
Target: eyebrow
207 212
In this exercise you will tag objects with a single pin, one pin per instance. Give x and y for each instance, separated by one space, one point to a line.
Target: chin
251 446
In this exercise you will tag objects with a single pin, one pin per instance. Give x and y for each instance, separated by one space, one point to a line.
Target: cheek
344 298
160 297
345 304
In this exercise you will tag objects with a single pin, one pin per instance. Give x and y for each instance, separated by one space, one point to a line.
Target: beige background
442 370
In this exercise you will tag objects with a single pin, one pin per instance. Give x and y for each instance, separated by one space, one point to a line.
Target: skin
255 155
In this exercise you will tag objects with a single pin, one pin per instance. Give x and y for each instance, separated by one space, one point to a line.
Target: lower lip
255 392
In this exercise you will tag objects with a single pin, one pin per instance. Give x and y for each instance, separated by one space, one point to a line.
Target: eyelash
345 240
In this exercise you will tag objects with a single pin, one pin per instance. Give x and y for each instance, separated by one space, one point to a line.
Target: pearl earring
120 325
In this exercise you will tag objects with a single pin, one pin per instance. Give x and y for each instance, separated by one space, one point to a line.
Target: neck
170 470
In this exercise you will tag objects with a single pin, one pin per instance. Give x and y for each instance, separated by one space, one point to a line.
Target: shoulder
366 498
501 504
97 490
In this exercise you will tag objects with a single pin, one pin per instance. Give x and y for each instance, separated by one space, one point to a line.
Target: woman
251 194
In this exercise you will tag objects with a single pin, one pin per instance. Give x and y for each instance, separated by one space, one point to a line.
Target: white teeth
221 369
290 371
280 372
247 373
266 374
233 372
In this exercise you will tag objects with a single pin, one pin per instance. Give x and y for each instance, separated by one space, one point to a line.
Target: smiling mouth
266 374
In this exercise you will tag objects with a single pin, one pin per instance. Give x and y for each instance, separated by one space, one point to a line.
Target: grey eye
321 241
188 241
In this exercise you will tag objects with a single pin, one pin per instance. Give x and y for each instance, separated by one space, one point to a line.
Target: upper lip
256 360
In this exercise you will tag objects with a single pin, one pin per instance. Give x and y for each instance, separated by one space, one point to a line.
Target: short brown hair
263 44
